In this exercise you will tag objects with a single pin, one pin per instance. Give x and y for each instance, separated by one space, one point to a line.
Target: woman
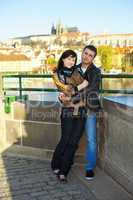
72 123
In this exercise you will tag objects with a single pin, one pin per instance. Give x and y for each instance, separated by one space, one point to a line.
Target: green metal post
20 87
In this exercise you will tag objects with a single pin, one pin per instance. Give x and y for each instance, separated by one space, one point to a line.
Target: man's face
87 56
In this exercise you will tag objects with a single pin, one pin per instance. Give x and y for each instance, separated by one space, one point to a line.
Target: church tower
53 30
59 28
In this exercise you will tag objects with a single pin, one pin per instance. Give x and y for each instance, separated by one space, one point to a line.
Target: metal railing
21 89
116 91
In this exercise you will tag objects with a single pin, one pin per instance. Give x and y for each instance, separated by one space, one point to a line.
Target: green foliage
106 55
51 60
127 62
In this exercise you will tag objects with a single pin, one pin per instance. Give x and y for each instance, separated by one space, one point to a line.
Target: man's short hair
92 48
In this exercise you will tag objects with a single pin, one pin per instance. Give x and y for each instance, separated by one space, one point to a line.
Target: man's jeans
91 153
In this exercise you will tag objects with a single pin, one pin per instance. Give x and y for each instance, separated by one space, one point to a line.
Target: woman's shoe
56 171
62 178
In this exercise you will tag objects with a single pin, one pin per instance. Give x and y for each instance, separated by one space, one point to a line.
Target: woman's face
69 61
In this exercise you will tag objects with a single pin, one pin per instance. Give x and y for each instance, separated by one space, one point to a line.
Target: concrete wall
118 143
37 125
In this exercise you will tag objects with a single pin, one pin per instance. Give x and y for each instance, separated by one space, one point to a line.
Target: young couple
79 87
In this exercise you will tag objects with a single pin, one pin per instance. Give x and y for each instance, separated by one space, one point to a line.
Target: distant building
15 61
60 29
114 40
72 29
56 31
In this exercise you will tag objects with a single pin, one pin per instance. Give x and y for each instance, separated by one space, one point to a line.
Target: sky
27 17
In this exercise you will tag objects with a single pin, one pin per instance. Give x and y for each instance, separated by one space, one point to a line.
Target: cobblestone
30 179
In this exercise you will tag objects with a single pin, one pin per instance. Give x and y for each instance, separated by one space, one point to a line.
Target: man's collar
89 66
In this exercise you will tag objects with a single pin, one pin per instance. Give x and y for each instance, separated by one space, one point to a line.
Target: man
91 93
91 96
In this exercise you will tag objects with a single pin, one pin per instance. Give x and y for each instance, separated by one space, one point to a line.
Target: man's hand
84 84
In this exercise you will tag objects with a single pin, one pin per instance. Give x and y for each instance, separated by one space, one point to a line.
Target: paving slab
103 187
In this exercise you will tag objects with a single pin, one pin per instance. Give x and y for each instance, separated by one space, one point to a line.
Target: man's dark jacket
91 92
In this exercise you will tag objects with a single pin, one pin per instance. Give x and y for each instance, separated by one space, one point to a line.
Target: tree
127 61
1 80
106 55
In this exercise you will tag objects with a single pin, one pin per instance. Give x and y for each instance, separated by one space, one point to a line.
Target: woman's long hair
64 55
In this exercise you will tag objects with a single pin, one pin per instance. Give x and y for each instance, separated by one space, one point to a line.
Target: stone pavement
23 178
32 179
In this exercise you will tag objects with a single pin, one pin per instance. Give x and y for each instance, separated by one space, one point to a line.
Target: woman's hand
70 90
63 98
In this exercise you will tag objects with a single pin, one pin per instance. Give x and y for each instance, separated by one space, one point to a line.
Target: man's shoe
89 174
